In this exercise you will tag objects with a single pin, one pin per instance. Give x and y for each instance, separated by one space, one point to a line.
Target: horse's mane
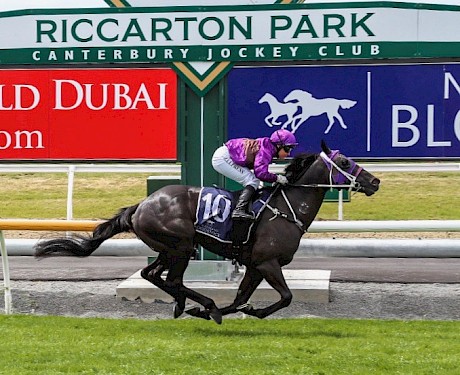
299 165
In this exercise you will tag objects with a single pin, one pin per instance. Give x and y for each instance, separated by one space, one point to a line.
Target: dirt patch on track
347 300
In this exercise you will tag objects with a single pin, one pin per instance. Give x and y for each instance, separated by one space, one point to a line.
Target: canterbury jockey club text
206 54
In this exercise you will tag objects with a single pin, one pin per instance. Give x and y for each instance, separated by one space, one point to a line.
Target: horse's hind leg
173 285
211 311
153 272
175 277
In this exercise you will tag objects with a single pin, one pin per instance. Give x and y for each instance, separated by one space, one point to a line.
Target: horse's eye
345 164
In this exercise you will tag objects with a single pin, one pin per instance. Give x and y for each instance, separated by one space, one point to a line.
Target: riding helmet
283 137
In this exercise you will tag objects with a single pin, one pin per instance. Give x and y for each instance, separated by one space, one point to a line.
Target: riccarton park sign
229 33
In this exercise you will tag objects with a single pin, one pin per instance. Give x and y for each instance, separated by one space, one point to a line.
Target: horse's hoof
177 311
247 309
244 306
194 311
216 315
197 313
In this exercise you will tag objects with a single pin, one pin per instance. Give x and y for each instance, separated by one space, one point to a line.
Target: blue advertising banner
368 111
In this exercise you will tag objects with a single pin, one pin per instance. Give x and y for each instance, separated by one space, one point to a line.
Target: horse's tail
82 246
346 103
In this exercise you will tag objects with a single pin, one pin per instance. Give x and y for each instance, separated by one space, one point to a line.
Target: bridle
341 178
337 181
351 174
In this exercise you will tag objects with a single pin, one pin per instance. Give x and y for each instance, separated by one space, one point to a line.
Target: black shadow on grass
209 332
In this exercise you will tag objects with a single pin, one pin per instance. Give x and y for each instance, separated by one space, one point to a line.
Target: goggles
288 148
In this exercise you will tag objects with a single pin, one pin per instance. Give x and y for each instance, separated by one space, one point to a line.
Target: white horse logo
278 110
309 107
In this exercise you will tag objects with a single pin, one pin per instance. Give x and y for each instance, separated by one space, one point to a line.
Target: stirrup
242 215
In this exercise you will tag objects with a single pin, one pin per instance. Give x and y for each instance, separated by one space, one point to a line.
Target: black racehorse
165 222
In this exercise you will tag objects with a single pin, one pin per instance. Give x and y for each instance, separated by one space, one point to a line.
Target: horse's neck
306 201
316 174
271 99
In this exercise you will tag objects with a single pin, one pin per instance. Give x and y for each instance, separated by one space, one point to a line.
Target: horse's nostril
375 182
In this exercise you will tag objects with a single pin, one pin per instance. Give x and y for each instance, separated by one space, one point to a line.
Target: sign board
202 42
88 114
368 111
229 33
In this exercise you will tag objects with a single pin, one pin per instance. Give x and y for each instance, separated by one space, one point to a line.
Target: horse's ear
324 147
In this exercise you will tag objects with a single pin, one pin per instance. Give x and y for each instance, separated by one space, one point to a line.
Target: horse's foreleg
287 122
248 285
271 271
331 119
340 119
274 118
267 120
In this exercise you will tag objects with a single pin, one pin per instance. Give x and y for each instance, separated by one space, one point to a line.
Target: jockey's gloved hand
281 179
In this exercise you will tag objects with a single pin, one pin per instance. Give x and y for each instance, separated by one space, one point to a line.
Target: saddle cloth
214 208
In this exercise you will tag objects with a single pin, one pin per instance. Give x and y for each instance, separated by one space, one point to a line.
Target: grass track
58 345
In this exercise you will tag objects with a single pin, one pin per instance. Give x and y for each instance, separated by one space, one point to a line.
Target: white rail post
6 275
70 183
340 214
71 175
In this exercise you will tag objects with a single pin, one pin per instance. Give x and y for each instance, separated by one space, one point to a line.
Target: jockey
246 161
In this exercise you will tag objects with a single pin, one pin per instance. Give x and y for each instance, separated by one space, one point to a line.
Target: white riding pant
223 163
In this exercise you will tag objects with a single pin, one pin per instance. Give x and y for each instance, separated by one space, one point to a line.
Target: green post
202 129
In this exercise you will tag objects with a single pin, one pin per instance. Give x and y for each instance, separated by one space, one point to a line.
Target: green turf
404 196
44 195
58 345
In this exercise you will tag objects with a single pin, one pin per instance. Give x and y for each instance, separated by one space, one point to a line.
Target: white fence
175 169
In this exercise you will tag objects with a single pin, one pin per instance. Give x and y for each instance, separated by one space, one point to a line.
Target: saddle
213 215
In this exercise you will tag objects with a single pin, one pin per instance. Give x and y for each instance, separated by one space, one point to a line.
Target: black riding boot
241 210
